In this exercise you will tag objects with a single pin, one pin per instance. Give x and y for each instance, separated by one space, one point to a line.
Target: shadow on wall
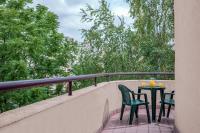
105 113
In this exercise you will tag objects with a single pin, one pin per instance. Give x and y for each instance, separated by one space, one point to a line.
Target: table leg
139 91
153 104
163 105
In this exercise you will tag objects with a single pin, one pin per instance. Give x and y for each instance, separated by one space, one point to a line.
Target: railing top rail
141 73
11 85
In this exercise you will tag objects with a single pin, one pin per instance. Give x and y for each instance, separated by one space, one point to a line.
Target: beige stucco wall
187 45
84 112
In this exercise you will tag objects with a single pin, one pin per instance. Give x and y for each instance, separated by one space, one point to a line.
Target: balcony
79 114
88 110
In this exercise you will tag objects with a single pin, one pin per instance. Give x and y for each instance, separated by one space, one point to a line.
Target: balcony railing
14 85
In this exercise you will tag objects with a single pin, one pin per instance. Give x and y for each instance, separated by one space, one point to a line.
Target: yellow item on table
161 85
152 83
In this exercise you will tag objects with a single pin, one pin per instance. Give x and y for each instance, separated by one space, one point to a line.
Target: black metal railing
14 85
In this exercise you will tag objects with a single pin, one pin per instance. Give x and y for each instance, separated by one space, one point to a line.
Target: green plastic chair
166 99
128 98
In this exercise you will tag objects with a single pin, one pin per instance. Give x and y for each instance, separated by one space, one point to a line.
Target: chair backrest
126 97
170 96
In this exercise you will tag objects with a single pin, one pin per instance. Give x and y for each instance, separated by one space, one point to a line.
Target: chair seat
168 101
138 102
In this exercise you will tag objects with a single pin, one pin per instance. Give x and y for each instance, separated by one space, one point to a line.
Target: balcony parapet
86 110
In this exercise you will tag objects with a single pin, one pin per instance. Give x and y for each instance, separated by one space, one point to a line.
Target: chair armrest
145 95
171 95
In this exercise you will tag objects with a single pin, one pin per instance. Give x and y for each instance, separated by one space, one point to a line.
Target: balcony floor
139 125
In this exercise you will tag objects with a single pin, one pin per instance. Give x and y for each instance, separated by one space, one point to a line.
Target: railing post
95 81
69 88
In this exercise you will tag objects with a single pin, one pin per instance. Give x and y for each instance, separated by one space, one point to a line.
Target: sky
69 15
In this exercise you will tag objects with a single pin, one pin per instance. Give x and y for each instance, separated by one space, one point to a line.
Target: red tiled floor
139 125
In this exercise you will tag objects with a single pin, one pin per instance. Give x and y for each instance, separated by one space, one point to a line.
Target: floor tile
131 130
107 131
119 130
142 130
154 130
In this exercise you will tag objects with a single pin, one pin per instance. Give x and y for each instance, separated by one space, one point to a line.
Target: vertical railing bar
95 81
70 88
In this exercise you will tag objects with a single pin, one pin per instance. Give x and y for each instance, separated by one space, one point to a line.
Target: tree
31 47
30 44
105 43
154 24
143 46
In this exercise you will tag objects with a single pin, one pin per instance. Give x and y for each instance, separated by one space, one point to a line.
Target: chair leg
163 109
136 112
148 114
168 111
122 111
163 106
131 114
160 114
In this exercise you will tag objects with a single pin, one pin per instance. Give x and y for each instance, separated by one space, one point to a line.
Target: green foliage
154 36
15 99
143 46
30 44
31 47
59 89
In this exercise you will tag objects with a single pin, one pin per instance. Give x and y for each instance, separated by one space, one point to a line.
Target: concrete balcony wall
84 112
187 45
